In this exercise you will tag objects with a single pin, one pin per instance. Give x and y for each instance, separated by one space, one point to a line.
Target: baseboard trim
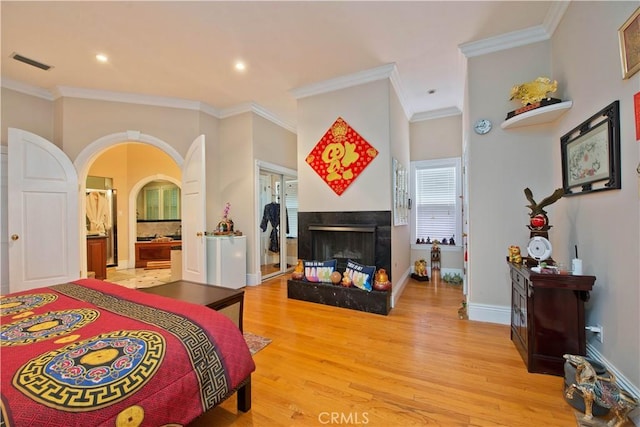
398 287
254 279
489 313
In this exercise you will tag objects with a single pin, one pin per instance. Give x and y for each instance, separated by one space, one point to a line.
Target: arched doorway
133 158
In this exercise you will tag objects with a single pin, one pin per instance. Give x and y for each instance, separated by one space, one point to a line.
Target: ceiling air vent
31 62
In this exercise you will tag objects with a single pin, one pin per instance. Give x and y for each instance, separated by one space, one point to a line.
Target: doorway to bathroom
278 207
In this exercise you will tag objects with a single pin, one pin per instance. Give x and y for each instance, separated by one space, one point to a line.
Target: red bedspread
91 353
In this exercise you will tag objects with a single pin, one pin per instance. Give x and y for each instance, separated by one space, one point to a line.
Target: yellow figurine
298 271
514 254
420 267
535 91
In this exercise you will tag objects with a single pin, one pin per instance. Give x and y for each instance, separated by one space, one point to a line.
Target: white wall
437 139
400 234
26 112
604 225
502 164
85 120
366 109
583 56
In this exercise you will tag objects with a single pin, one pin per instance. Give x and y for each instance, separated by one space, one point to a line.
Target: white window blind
171 203
437 207
152 202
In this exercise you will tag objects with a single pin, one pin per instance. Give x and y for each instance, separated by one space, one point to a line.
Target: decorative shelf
538 116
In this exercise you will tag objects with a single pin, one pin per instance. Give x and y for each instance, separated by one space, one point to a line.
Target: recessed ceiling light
101 57
240 66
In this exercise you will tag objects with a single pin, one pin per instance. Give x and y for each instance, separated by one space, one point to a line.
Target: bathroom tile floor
135 278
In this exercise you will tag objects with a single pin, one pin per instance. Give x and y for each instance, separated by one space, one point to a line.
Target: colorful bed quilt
91 353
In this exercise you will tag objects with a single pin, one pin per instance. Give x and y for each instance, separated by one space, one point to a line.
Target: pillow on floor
361 275
319 271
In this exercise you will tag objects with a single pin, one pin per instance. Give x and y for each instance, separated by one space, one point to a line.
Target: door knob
14 237
199 234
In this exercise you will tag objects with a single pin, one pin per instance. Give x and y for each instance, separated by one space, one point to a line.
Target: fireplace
364 237
343 243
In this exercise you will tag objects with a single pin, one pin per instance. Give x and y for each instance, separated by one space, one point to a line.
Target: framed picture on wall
591 154
400 194
629 35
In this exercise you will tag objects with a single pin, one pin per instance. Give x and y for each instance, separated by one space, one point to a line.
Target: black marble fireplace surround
366 227
364 237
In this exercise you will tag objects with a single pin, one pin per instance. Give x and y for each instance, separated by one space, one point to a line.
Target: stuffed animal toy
514 254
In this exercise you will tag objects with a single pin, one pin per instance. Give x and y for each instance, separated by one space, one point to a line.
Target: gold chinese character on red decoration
340 156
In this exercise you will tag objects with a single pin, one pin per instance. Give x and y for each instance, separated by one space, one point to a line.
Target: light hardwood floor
420 365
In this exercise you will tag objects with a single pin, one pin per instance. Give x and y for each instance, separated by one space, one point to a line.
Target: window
437 202
159 200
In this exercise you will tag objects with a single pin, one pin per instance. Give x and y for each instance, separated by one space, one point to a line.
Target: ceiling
187 50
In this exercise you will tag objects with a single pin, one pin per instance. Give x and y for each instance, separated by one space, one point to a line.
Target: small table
229 302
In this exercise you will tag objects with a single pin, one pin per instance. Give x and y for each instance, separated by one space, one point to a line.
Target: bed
92 353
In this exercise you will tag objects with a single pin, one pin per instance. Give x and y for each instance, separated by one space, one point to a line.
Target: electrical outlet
600 335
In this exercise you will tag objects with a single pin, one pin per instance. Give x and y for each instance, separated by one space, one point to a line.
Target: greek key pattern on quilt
204 357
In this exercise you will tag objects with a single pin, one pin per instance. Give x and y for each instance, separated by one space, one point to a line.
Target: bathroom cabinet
154 251
97 256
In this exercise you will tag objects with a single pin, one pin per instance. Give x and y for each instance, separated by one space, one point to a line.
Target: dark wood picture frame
591 154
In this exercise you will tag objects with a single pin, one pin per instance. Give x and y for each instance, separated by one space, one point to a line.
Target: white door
193 213
42 214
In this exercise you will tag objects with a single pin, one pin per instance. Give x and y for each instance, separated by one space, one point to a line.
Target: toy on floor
602 390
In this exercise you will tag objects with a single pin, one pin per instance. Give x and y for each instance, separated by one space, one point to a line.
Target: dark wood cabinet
154 251
97 256
547 317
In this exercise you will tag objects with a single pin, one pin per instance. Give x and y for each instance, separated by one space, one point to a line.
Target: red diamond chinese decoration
340 156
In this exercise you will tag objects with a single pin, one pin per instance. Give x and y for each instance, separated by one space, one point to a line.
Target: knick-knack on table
225 226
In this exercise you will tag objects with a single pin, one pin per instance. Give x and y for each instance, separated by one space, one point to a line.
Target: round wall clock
482 126
539 248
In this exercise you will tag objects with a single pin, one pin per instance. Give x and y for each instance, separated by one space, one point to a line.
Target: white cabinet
227 261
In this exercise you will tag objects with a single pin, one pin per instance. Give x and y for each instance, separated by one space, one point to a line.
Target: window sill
443 248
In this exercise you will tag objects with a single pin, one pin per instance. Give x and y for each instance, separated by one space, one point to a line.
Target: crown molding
401 93
252 107
38 92
554 16
435 114
387 71
504 41
524 37
131 98
343 82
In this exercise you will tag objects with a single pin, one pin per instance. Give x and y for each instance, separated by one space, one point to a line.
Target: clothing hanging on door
271 216
98 213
